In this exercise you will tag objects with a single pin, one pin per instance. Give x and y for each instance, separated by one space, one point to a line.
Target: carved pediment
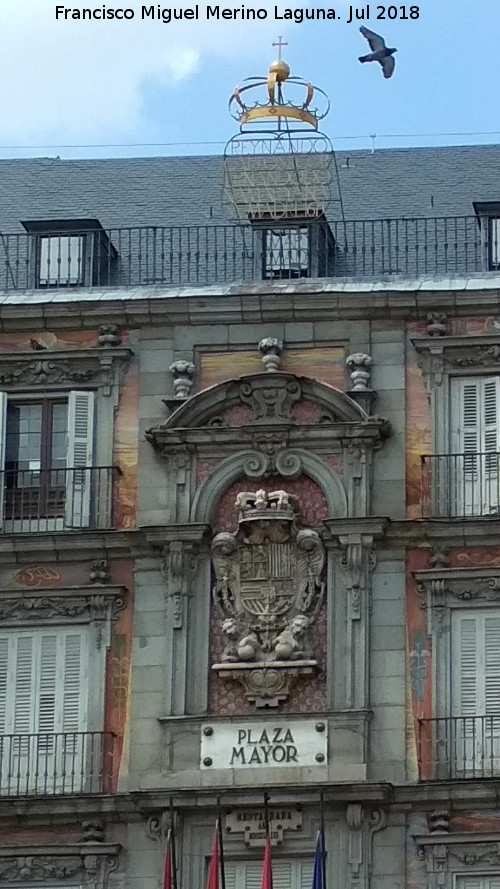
270 400
65 368
77 863
443 852
51 605
455 354
446 587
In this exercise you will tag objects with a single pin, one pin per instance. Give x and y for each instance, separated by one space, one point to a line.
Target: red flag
213 871
168 876
267 867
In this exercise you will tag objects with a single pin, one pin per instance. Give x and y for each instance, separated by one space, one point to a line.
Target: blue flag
319 862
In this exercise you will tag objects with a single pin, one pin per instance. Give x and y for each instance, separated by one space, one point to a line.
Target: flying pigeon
379 52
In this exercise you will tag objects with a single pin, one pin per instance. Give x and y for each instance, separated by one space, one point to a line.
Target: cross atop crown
279 43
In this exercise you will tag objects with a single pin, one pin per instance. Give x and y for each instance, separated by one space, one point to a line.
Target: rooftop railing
457 747
56 763
219 254
460 485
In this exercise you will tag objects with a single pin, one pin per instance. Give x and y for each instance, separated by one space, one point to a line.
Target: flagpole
172 838
266 813
221 847
322 828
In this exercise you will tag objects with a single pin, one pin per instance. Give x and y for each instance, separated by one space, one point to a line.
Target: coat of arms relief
268 591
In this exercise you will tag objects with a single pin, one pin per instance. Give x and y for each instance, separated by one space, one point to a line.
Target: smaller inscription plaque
251 822
300 742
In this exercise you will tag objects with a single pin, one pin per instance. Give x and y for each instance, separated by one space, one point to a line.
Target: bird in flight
379 52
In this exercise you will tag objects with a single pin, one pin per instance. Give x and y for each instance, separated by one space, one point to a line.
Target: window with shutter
475 678
47 459
475 443
294 873
43 708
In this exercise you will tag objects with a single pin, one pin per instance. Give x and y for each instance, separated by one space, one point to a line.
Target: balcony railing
43 764
58 499
458 747
460 485
217 254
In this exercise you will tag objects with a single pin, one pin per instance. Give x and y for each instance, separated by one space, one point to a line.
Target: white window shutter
79 457
3 440
4 682
476 694
74 683
294 873
464 669
48 695
43 702
475 428
492 665
24 686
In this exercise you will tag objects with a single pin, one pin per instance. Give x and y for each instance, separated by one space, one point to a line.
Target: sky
107 88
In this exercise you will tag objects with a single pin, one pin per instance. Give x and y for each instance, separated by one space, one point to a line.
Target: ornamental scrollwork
78 367
43 608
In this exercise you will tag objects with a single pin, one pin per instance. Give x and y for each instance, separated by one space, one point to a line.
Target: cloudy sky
144 87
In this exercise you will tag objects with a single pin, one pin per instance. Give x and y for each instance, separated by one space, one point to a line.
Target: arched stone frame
197 430
247 463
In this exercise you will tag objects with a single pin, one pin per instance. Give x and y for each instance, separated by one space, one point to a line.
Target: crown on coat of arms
263 505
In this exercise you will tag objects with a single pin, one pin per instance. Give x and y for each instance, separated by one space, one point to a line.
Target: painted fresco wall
326 365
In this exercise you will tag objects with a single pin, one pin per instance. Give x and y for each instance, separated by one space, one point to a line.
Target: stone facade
270 592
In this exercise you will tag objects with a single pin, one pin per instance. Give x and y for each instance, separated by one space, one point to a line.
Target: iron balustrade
58 499
460 485
62 763
456 747
217 254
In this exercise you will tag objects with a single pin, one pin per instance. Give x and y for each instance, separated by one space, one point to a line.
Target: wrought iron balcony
218 254
457 747
460 485
58 499
49 764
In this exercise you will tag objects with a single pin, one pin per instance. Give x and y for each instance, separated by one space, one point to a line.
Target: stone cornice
61 849
213 441
194 532
454 839
74 546
331 299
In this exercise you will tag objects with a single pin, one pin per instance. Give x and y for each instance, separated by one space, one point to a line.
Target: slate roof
415 182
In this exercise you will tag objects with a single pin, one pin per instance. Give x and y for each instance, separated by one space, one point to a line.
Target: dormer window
489 220
294 247
70 253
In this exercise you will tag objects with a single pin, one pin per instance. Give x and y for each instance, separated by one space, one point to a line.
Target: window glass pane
495 242
24 436
59 435
61 260
287 251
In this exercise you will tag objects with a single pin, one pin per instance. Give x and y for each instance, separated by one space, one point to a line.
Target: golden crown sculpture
277 107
